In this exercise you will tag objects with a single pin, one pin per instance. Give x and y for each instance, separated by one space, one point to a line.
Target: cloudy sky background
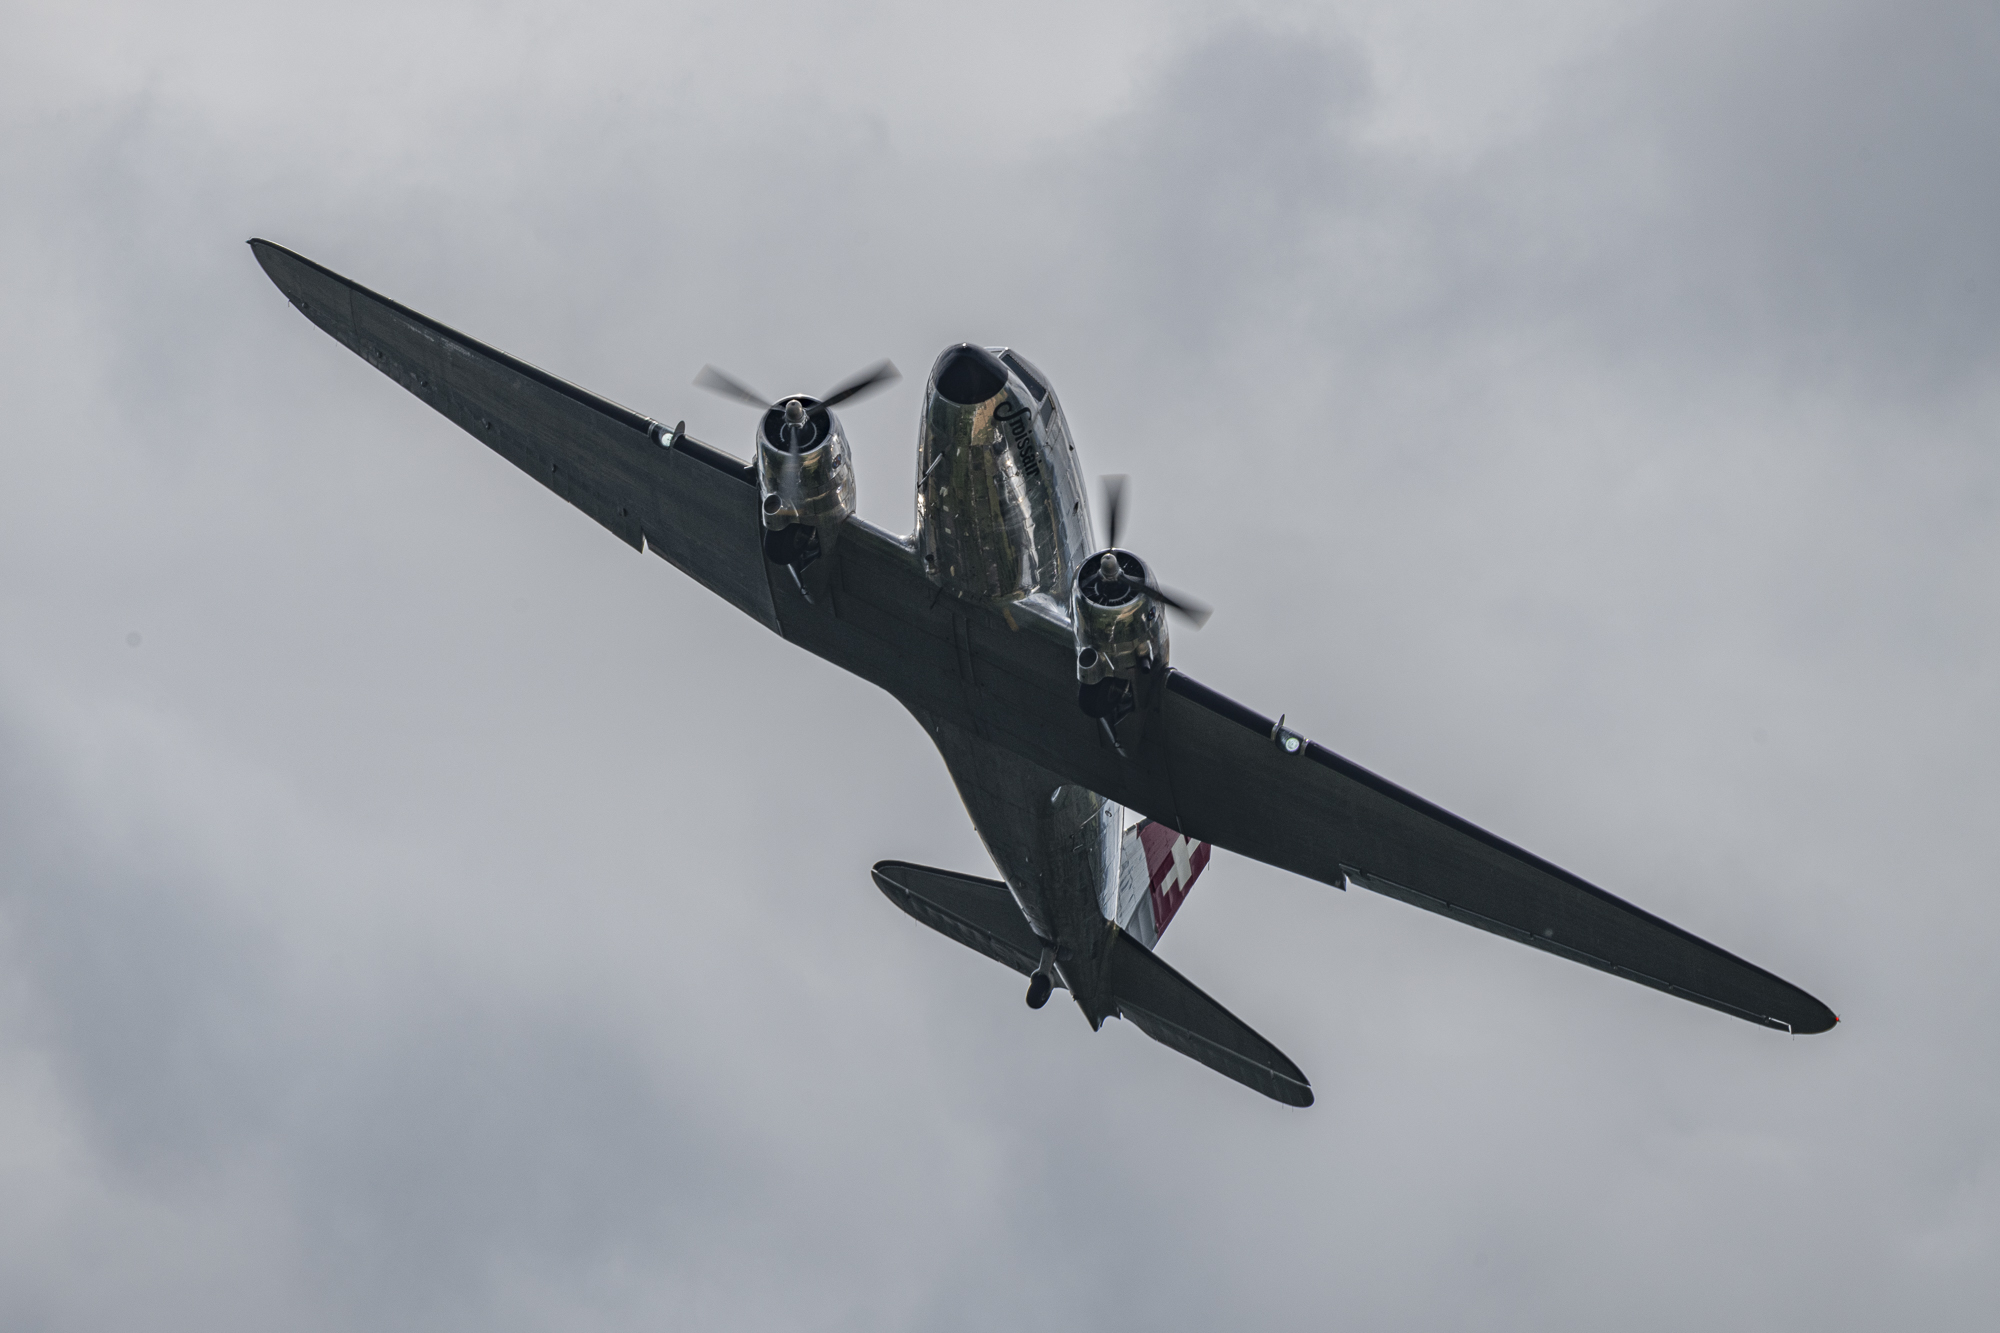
1585 414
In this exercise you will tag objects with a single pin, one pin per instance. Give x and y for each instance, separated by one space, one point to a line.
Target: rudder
1157 869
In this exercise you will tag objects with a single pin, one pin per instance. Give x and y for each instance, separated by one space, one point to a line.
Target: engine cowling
1121 632
805 479
805 473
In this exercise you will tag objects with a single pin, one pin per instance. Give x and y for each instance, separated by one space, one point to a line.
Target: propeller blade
715 381
1196 613
880 375
1191 609
1114 506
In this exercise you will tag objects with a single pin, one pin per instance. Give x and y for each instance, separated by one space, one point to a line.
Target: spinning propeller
1194 611
857 385
796 431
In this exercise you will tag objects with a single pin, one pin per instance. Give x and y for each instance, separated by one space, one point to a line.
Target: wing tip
1804 1017
275 259
892 890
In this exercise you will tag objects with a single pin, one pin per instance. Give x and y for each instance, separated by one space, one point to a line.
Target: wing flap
692 504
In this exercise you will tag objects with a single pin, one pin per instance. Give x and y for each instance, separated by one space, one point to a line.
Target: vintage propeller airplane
1039 665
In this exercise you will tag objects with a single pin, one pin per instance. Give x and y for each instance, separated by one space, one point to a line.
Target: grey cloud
1815 190
407 932
1788 185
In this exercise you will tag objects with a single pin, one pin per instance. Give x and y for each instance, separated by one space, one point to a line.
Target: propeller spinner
797 433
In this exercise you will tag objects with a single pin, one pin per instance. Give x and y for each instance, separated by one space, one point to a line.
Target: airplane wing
1242 783
653 486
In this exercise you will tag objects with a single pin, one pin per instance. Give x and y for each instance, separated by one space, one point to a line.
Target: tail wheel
1039 987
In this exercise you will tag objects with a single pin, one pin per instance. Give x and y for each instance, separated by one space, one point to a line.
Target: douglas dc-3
1038 663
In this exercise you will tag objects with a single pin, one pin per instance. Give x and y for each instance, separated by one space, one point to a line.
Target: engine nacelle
1121 632
804 472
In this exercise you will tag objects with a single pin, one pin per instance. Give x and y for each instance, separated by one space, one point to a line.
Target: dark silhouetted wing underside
692 504
1313 812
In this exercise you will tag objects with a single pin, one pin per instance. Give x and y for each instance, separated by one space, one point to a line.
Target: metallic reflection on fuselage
1000 501
1002 517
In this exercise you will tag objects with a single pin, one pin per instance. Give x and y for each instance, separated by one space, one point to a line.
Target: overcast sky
411 912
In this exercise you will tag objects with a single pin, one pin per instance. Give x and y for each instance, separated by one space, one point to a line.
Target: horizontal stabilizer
978 913
1173 1011
1160 1002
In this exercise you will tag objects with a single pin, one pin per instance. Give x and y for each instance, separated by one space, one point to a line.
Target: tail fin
1157 870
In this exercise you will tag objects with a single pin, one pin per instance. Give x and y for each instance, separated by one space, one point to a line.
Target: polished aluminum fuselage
1002 519
1001 513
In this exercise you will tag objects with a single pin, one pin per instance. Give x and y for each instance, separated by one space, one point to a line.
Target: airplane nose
968 375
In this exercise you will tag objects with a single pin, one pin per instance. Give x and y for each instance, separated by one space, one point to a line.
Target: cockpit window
1027 373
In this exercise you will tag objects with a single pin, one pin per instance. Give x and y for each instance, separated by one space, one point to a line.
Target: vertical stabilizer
1155 872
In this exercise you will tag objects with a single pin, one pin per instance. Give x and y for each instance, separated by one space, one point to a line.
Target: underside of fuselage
1002 518
1056 846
